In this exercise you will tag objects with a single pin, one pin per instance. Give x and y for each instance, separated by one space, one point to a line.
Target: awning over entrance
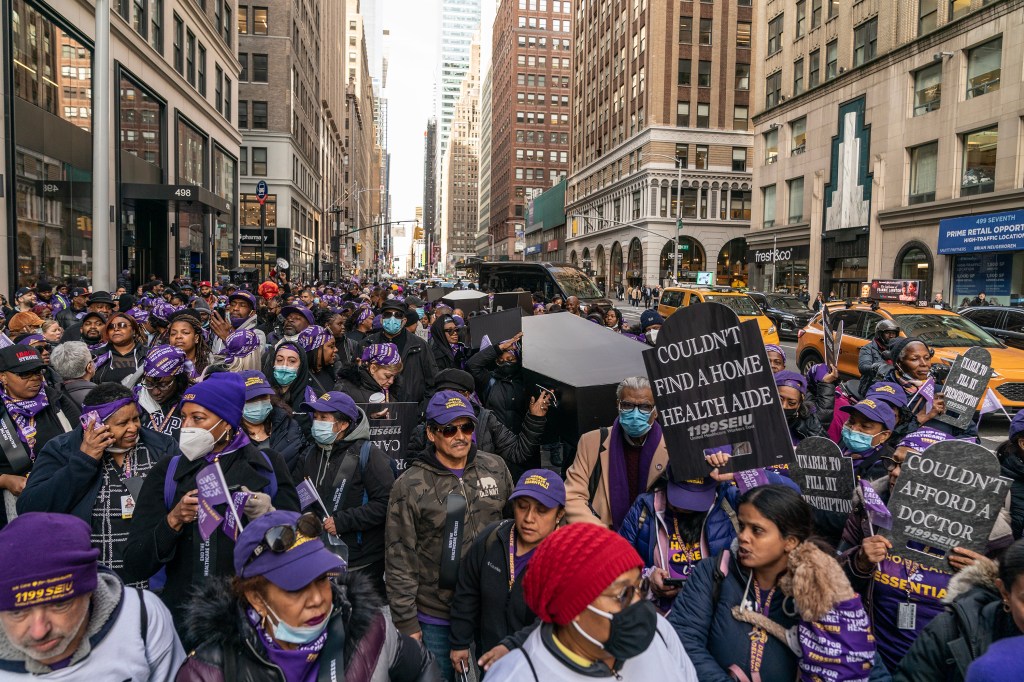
206 200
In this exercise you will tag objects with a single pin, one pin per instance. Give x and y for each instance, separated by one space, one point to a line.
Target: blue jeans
436 640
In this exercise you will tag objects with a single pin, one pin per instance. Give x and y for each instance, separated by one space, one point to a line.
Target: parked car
1003 322
674 298
788 313
949 333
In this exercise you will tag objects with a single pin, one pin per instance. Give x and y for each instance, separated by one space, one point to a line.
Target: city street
993 426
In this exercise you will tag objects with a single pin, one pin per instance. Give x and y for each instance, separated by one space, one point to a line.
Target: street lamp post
679 206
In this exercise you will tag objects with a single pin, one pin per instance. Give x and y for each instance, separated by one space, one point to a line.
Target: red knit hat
572 566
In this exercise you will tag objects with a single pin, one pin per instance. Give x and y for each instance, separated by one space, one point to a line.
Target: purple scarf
24 414
618 486
298 665
237 443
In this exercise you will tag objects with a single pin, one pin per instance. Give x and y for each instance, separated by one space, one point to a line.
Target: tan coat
578 505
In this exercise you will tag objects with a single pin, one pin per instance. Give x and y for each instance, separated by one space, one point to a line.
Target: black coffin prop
583 363
468 301
436 294
497 327
512 299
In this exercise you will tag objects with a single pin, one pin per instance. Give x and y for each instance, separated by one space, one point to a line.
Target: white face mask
195 442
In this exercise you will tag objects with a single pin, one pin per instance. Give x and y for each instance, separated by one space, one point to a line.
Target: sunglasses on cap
449 430
279 539
388 314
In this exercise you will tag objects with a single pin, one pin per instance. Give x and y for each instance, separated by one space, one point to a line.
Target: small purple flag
5 340
208 519
230 526
878 514
211 485
751 478
927 391
307 494
991 403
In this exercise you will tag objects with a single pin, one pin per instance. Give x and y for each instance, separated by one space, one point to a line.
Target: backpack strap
596 472
169 485
271 488
364 456
487 390
143 615
530 663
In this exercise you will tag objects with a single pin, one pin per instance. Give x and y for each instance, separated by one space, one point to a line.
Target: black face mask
632 630
792 415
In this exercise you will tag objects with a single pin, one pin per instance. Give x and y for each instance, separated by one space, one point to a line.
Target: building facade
660 120
333 149
460 21
483 221
173 146
460 167
532 72
887 139
430 171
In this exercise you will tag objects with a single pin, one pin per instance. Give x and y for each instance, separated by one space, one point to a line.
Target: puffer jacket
872 365
1012 467
521 451
360 524
974 618
414 534
500 389
287 438
231 650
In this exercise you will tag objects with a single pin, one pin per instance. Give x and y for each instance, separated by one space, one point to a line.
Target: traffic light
417 233
359 248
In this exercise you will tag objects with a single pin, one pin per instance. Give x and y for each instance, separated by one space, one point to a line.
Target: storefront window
191 155
732 264
916 264
53 172
140 117
224 224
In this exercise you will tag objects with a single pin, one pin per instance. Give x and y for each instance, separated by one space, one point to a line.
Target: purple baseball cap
695 495
313 337
920 440
791 379
384 354
447 406
240 344
256 384
889 392
875 410
245 296
292 569
164 361
335 401
300 309
542 485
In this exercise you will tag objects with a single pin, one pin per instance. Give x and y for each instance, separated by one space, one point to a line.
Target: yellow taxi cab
674 298
945 331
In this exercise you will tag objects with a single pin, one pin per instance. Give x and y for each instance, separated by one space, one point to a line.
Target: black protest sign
833 338
824 475
949 496
497 327
466 301
513 299
715 392
965 386
391 427
435 294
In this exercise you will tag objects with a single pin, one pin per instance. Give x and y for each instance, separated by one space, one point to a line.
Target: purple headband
313 337
240 344
771 347
364 314
384 354
106 410
140 316
791 379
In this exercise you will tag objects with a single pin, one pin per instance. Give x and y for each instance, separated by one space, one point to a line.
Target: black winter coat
356 382
287 439
231 649
153 544
1013 468
360 525
444 356
500 391
418 367
484 609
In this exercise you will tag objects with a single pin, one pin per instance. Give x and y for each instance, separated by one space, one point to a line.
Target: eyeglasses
449 430
387 315
158 383
120 325
629 593
453 330
645 408
280 539
891 464
32 374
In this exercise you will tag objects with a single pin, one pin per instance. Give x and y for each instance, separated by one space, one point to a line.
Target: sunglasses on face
280 539
453 330
119 325
450 430
157 383
34 374
392 313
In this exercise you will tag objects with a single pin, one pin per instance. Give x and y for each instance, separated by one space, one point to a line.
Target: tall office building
430 188
460 21
660 135
888 145
531 69
458 212
483 234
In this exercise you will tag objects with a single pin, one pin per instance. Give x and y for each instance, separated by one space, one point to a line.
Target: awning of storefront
206 200
799 235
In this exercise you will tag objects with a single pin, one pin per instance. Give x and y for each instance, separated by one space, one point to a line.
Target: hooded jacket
231 650
418 368
359 523
119 644
1013 468
287 438
444 356
414 534
500 389
358 384
973 619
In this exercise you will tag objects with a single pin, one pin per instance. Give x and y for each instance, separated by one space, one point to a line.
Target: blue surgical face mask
257 413
323 432
634 422
392 325
285 375
855 441
420 313
294 634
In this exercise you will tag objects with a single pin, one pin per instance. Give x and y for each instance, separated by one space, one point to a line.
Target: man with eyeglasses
437 508
418 366
616 464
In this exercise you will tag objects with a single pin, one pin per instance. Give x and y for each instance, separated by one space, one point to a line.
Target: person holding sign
865 435
163 531
292 613
438 507
802 421
353 478
901 595
613 466
96 471
1011 461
